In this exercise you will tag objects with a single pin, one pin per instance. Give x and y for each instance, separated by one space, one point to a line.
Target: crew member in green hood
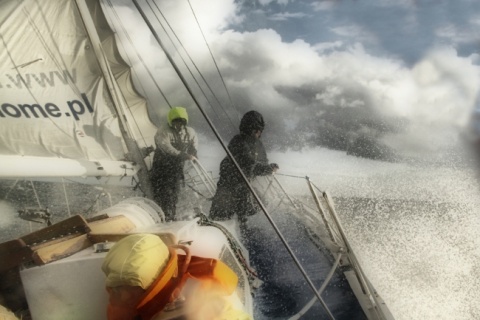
233 196
175 144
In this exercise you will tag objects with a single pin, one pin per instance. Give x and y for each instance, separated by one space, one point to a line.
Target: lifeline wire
280 235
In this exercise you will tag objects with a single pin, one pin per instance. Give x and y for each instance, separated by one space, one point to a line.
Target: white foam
414 228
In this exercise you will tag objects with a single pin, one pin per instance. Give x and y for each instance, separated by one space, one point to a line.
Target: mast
118 100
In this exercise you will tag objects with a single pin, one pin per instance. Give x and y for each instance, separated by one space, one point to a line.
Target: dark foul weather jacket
233 196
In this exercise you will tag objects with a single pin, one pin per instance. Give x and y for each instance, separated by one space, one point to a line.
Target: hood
251 120
175 113
135 260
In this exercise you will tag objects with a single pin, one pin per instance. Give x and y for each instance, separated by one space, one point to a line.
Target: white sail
56 100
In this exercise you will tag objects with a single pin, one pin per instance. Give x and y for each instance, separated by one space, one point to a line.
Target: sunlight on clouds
212 19
263 57
215 16
448 87
442 95
142 37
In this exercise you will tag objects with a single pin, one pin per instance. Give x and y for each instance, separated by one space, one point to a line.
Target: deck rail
325 227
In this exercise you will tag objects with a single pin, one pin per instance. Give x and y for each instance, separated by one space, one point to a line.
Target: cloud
389 101
267 2
355 32
356 86
445 89
287 15
322 5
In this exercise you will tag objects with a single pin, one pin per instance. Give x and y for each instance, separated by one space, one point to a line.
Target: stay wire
173 43
35 193
127 36
129 39
185 52
214 60
291 176
257 198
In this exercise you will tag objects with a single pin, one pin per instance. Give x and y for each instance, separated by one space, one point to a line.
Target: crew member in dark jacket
175 144
232 195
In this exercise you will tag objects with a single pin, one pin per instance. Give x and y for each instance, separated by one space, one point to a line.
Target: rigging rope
127 36
213 59
66 197
191 61
35 193
262 206
176 49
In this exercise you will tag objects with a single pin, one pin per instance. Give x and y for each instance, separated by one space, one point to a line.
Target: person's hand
274 167
186 156
146 151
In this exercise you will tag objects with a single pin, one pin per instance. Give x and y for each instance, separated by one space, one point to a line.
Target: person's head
177 117
252 123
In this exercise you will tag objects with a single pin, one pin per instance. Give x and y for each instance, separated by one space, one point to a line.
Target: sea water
414 228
